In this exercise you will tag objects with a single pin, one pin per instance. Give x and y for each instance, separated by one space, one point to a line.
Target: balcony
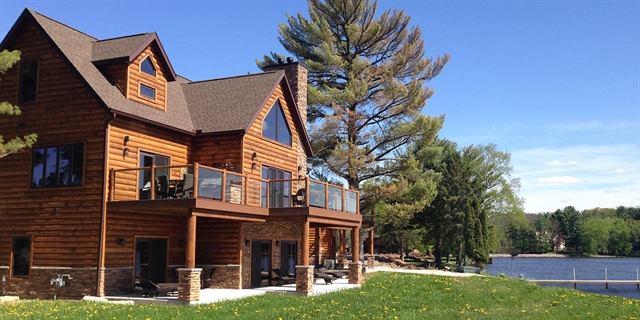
202 189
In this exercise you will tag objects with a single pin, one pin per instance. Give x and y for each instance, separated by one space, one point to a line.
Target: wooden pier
576 282
606 281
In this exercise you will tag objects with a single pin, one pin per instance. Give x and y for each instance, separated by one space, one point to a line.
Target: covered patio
208 296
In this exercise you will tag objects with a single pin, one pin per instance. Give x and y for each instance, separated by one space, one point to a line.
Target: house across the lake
141 174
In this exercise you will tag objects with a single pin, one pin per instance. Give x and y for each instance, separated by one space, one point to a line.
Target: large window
28 81
279 192
275 125
58 166
21 257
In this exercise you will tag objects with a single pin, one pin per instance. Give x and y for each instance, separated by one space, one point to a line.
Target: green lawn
383 296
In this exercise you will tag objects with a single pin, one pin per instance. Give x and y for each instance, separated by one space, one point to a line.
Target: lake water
586 269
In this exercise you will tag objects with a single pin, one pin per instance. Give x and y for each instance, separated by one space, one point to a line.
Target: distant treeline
598 231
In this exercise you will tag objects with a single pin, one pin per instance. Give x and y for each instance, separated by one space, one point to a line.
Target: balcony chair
185 189
163 187
299 198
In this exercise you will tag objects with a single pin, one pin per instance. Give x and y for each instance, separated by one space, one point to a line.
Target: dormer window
147 67
147 92
275 125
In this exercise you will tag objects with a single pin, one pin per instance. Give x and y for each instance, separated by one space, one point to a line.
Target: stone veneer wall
270 230
227 276
117 280
304 279
83 283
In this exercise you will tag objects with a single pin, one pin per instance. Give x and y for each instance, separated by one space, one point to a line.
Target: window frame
144 96
13 254
70 163
153 67
281 191
146 174
21 81
279 110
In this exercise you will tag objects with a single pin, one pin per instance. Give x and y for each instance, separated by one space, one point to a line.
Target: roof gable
127 49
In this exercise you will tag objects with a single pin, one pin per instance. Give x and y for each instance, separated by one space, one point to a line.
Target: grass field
383 296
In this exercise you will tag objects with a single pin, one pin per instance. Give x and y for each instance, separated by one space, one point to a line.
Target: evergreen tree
7 60
367 89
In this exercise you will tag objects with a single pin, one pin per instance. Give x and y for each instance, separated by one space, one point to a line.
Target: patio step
9 299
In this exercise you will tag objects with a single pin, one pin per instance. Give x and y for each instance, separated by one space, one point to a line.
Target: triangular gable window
275 125
147 67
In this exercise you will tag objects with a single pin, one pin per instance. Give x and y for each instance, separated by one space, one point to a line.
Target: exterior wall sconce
121 242
126 139
299 168
54 210
247 243
125 152
277 243
181 243
254 156
254 166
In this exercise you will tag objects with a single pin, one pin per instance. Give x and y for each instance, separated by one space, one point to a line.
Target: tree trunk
460 261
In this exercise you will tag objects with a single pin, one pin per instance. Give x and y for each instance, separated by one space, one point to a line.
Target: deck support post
304 272
190 254
355 267
342 253
371 242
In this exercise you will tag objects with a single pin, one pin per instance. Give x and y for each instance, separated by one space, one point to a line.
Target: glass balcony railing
198 181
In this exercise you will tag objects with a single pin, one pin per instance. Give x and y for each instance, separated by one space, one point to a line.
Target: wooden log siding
159 82
217 242
118 74
142 138
128 226
64 113
269 152
216 151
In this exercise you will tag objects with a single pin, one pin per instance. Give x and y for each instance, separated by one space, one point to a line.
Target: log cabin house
139 173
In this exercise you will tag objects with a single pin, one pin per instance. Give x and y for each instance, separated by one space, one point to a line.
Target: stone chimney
297 76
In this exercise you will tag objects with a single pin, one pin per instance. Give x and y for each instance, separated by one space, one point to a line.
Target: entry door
151 259
288 256
260 263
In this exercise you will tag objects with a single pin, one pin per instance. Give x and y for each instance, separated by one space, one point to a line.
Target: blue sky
556 84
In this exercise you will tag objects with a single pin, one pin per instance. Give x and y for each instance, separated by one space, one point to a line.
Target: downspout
103 213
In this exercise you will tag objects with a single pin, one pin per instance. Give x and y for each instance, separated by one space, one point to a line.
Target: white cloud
563 179
606 177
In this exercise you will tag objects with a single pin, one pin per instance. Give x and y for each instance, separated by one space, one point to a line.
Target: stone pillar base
189 284
304 279
101 279
371 259
355 273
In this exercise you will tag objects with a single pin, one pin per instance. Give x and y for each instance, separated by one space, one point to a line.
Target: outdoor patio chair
334 273
185 189
328 279
156 288
281 278
203 283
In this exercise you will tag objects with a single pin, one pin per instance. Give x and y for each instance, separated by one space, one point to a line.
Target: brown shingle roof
116 48
214 106
229 104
